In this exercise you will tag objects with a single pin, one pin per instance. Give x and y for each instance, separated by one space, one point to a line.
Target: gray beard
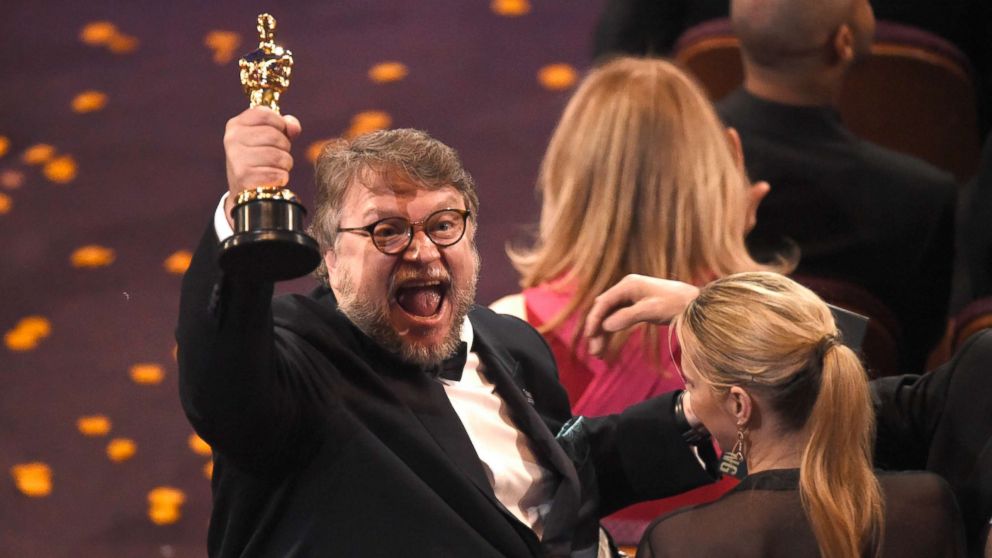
372 317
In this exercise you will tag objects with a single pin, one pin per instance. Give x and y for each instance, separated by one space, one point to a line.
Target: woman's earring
738 450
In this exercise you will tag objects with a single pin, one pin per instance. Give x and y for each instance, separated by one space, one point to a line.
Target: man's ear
740 405
843 44
736 148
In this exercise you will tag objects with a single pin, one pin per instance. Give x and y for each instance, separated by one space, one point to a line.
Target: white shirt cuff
221 226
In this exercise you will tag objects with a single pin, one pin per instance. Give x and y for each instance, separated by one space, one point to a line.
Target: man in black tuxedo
338 424
857 212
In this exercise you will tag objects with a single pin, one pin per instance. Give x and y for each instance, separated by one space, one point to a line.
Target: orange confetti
368 121
178 262
33 479
11 179
4 145
61 170
122 44
93 425
121 449
92 255
316 147
510 8
198 446
386 72
19 340
208 469
147 373
97 33
35 325
164 503
38 154
89 101
557 77
224 44
5 204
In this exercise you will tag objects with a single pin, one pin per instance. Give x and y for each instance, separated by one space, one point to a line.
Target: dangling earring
738 449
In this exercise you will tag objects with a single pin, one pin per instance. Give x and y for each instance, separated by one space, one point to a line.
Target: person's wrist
691 428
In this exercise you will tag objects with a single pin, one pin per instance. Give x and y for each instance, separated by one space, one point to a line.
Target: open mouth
423 299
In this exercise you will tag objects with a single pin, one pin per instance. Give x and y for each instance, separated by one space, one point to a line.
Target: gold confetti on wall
368 121
557 77
313 151
164 503
121 449
147 373
61 170
11 179
28 332
93 425
122 44
97 33
33 479
510 8
38 154
178 262
89 101
106 34
224 44
6 204
92 255
386 72
198 446
4 145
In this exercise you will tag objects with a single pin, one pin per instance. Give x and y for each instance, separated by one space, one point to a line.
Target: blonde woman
639 177
766 374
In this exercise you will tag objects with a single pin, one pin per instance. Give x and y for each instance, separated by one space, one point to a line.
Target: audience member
338 427
940 421
639 177
767 375
858 213
973 266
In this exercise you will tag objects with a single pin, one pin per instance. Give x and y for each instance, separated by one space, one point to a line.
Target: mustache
407 274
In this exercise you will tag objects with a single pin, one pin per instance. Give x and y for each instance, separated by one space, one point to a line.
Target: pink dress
596 388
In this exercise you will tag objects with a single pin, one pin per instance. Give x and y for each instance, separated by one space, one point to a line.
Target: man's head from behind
799 36
408 287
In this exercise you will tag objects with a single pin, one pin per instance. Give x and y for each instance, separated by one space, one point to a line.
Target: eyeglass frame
411 230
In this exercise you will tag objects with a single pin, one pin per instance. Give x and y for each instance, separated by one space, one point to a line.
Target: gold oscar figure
268 241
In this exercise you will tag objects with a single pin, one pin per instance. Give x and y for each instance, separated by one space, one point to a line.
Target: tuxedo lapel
503 370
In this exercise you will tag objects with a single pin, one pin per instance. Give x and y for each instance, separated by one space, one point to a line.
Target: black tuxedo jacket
326 445
858 212
942 422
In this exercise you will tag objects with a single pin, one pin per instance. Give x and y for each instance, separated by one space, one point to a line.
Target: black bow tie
451 367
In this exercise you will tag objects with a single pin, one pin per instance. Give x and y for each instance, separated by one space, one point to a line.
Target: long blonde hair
764 332
638 178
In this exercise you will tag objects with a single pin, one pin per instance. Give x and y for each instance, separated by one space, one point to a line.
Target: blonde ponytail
767 334
837 487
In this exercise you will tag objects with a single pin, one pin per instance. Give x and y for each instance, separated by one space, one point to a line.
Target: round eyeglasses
394 234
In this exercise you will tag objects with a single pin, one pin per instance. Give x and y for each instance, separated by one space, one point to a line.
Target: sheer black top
762 516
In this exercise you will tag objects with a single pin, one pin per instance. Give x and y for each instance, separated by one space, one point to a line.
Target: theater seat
915 94
880 345
974 317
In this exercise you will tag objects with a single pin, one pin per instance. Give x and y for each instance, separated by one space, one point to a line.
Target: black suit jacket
326 445
857 211
942 422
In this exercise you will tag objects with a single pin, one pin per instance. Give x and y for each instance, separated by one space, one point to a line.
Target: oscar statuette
268 241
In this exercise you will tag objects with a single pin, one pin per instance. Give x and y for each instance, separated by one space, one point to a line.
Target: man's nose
421 248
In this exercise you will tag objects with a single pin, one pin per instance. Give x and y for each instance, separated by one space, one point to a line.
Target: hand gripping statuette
268 241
